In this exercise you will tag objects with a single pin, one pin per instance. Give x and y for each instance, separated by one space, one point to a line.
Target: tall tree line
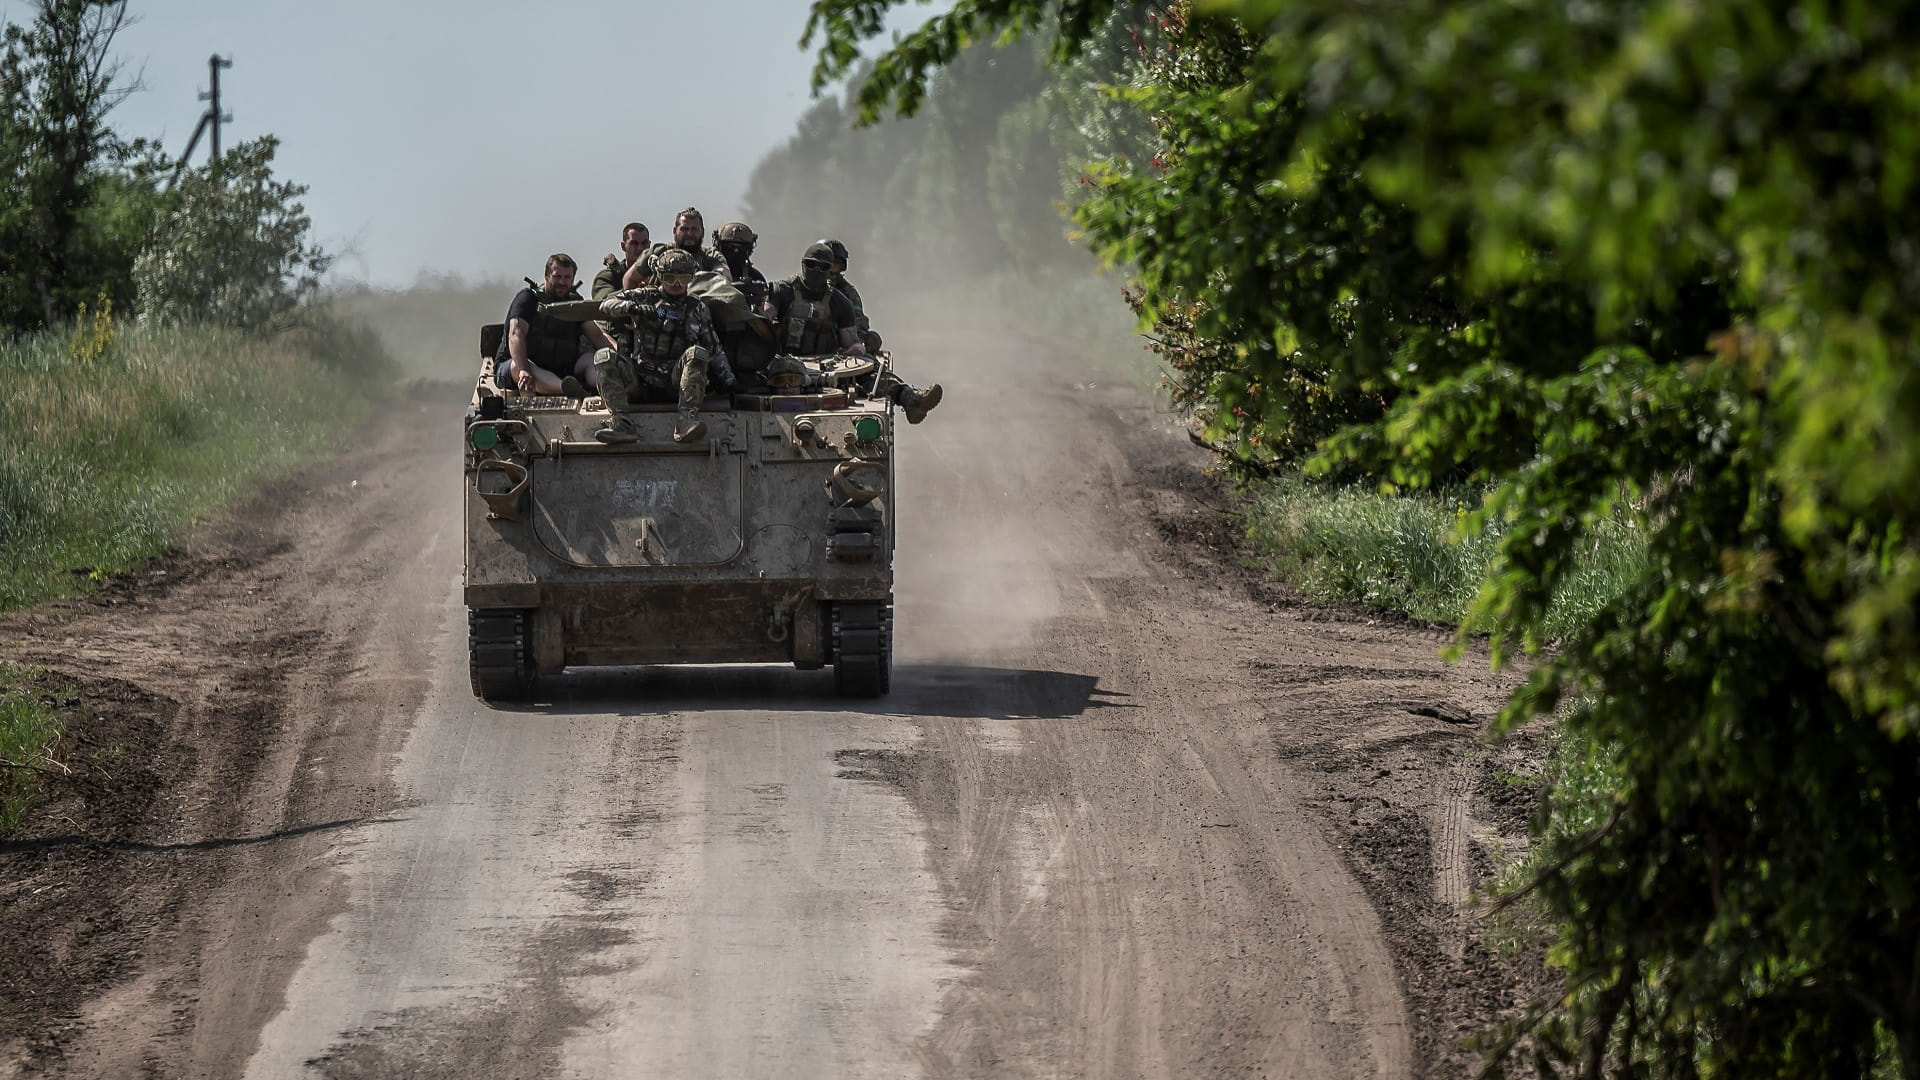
1650 259
972 184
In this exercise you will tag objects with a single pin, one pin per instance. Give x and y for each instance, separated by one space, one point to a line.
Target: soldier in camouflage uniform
667 344
733 242
812 318
845 288
749 344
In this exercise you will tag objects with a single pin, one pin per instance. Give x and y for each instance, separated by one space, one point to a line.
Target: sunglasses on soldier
815 264
682 280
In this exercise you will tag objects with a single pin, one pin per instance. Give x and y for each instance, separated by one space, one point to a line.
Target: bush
233 248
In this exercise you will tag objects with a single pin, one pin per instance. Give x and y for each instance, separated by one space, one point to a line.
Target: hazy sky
477 136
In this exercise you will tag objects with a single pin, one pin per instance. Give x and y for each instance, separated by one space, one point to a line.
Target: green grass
109 452
1401 553
29 734
115 439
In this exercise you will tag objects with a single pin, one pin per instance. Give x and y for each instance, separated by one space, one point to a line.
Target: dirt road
1128 811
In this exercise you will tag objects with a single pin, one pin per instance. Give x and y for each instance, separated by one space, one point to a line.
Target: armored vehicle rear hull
768 540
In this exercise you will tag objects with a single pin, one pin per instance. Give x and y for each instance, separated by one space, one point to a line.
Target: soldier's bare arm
517 350
598 335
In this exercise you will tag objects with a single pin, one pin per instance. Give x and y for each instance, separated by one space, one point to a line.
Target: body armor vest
551 343
807 328
663 329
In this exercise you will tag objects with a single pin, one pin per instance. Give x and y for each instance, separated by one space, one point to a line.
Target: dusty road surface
1127 812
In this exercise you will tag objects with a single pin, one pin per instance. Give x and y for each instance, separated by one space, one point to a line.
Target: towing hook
850 492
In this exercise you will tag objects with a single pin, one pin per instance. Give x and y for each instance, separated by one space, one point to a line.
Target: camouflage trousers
887 385
625 383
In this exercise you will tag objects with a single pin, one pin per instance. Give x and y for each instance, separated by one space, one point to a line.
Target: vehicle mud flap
863 648
500 654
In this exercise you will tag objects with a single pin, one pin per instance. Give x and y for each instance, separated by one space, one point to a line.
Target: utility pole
213 117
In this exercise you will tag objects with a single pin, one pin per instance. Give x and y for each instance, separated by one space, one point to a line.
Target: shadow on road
7 847
956 690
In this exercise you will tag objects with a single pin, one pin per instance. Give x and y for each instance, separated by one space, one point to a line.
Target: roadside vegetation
1642 268
1419 554
116 446
162 350
29 735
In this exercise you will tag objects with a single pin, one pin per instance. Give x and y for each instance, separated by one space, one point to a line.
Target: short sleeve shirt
525 307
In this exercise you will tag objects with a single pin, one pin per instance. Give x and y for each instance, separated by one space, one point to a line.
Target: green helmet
734 232
676 261
818 251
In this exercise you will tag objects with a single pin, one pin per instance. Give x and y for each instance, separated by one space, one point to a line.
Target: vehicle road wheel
500 654
863 648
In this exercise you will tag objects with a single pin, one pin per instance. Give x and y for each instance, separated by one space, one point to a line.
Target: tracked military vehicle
769 540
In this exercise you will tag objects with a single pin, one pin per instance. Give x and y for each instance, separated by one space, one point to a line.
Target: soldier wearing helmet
733 242
667 351
748 340
689 233
840 282
812 318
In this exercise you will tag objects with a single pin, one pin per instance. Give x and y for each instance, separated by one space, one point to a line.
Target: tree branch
1562 863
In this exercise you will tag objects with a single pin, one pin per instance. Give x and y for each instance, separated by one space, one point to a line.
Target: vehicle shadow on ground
956 690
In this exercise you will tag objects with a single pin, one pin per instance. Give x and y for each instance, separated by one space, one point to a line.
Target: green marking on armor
867 428
484 436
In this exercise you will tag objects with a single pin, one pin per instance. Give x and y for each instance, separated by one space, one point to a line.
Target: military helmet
676 262
734 232
839 253
819 251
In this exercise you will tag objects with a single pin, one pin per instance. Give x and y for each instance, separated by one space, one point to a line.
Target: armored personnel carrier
768 541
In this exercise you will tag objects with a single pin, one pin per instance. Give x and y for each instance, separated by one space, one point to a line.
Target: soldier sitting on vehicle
667 349
540 354
845 287
733 242
748 338
811 318
689 233
634 241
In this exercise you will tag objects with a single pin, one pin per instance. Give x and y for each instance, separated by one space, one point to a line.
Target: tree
1653 249
233 248
58 82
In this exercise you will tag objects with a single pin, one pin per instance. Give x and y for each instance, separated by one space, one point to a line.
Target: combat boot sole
924 403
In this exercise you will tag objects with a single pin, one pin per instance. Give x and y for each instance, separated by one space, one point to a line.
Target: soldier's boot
612 373
573 388
693 390
918 403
